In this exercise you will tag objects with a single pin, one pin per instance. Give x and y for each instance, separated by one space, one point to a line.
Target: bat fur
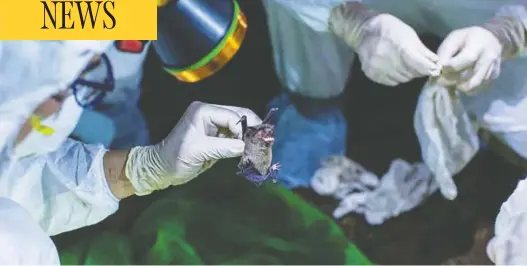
255 164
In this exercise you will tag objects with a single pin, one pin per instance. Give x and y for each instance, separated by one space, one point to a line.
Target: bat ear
269 115
243 120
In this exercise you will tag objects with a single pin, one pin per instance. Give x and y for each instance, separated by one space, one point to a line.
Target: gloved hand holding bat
193 146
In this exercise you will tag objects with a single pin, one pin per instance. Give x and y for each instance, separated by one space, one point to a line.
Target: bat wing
249 172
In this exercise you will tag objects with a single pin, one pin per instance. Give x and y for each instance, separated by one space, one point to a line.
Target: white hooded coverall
57 192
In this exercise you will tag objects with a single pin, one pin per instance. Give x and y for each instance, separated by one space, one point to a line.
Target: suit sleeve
63 190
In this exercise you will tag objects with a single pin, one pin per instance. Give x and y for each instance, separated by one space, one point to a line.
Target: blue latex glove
305 134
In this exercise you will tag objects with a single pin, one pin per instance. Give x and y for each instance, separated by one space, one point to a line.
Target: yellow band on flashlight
219 56
161 3
42 129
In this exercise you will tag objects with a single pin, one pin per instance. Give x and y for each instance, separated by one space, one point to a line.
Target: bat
255 164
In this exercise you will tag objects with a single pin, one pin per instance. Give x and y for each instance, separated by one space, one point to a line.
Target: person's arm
518 11
114 165
390 51
63 190
80 184
191 148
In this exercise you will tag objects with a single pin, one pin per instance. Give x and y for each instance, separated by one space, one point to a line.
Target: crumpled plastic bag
447 137
340 176
401 189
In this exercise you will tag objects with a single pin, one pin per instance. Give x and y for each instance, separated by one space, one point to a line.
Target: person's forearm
347 19
114 165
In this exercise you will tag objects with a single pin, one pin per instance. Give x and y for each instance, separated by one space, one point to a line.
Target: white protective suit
120 106
311 61
510 241
54 186
23 242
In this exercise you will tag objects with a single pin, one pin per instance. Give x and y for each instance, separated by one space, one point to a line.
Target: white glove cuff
510 32
145 170
347 22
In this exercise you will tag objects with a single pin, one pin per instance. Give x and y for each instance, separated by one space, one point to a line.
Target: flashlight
196 38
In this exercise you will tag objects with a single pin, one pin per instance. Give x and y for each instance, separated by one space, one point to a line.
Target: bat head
261 135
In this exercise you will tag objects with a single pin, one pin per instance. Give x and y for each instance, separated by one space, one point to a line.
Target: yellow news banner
49 20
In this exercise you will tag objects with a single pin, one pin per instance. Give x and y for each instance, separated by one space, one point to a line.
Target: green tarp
219 218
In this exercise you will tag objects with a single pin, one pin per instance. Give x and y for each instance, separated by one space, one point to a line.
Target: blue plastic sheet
306 132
